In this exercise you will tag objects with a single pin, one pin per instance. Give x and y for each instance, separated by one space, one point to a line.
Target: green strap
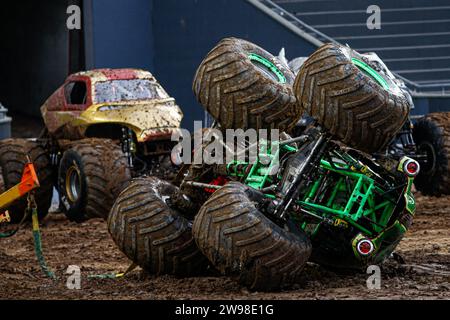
114 275
38 245
40 255
11 233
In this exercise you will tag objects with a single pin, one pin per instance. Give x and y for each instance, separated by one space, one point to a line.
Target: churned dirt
424 273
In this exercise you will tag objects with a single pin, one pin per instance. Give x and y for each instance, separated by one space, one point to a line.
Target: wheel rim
369 71
428 149
267 67
73 184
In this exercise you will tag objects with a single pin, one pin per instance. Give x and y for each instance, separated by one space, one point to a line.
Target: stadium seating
414 39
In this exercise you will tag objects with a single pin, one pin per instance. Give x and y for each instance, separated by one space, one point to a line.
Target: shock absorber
128 145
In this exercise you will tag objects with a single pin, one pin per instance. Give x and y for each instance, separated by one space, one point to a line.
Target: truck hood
148 119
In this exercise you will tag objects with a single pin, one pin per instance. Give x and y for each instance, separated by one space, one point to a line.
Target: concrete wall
428 105
119 34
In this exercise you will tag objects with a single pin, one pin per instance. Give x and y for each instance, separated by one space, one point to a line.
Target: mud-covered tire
347 102
92 173
432 137
240 92
2 182
13 157
118 168
240 241
151 233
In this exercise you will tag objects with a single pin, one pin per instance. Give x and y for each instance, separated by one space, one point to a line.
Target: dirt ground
425 273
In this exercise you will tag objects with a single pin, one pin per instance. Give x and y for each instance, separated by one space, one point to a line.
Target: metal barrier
5 123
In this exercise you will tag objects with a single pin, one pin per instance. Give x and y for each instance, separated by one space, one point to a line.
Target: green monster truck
317 196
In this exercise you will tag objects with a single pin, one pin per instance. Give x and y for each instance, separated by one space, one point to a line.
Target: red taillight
365 247
412 167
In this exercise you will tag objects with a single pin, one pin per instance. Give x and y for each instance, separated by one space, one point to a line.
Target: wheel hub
269 69
429 165
73 184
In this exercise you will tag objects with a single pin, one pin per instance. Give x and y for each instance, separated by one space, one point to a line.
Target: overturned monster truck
317 196
102 128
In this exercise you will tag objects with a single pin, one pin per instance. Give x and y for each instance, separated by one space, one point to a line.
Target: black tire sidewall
75 211
426 131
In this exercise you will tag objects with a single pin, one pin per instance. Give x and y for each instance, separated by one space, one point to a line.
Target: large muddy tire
118 167
240 241
363 111
243 86
2 182
13 157
432 137
151 233
91 174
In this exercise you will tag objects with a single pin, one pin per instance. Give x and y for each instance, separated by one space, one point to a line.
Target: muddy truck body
102 127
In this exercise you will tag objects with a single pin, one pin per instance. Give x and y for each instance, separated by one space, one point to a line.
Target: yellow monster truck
102 127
